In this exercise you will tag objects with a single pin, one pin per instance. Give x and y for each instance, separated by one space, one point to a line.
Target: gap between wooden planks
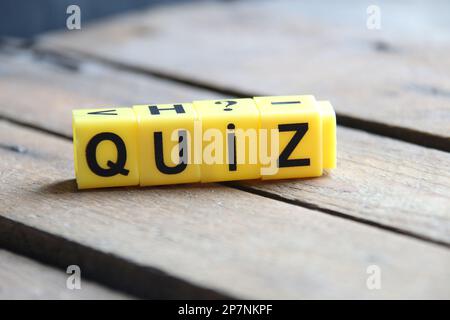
210 236
386 183
384 82
114 271
23 278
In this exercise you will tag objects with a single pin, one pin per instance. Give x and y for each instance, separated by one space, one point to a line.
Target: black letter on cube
114 168
177 107
300 131
159 153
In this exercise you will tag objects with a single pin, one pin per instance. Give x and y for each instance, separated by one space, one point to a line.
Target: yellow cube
166 144
329 134
230 139
298 120
105 147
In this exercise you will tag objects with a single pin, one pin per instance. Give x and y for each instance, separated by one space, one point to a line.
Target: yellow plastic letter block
230 130
166 144
105 147
213 140
329 134
307 130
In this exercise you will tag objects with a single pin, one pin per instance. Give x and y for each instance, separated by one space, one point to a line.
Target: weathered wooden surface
41 91
416 201
210 235
387 204
381 180
393 81
23 278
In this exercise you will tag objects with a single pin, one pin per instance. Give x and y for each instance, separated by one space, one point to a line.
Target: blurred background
418 18
372 58
26 18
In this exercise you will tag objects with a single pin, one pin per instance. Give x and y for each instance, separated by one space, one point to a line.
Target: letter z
300 131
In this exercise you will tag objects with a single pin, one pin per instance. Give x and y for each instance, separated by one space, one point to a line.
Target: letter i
231 137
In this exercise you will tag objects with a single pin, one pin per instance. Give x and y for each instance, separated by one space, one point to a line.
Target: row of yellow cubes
204 141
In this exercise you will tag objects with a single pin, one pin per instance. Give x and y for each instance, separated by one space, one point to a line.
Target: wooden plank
385 81
22 278
210 235
378 180
38 90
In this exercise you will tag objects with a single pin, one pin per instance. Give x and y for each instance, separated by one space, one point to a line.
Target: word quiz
204 141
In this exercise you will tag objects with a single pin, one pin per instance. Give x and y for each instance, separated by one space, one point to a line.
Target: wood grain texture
210 235
42 90
22 278
394 80
378 180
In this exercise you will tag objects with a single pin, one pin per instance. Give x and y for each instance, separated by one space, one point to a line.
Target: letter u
159 153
